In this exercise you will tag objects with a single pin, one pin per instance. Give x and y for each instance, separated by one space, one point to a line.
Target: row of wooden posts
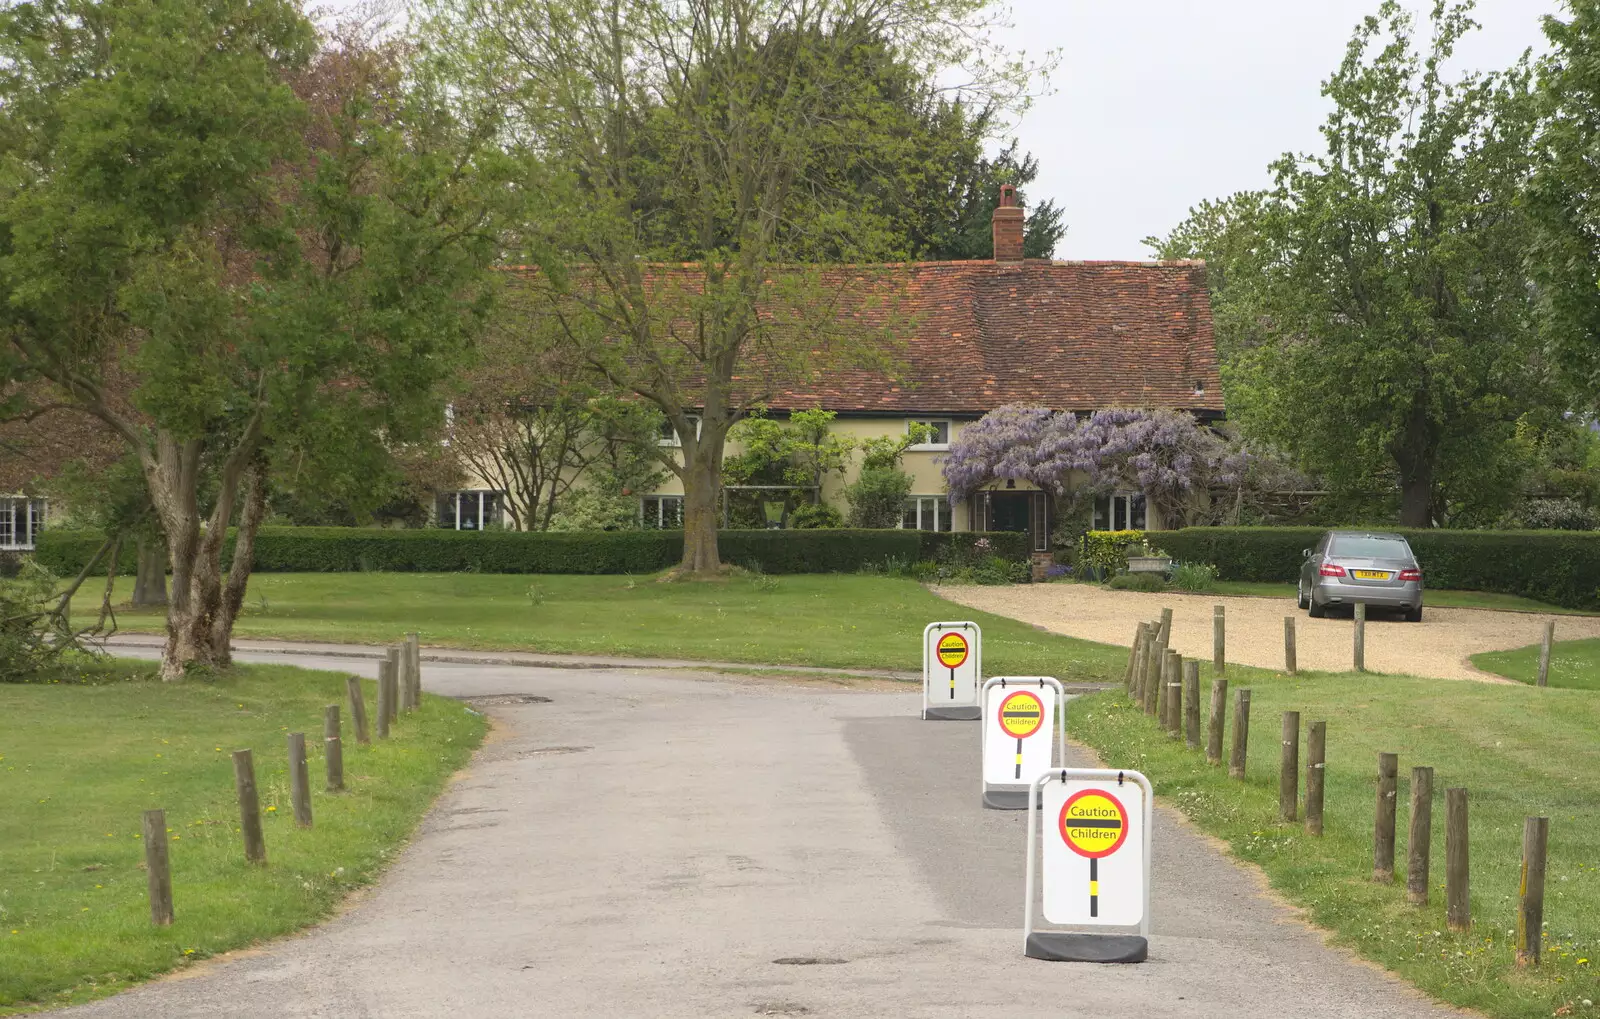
1167 687
399 689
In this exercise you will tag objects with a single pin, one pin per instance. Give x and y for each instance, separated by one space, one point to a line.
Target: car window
1368 547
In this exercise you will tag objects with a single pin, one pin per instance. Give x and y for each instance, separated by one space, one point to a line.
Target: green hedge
1559 567
356 549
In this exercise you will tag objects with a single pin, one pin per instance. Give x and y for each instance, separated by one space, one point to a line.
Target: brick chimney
1008 227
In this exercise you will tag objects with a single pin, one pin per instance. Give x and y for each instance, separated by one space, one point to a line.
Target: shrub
814 515
1556 515
1559 567
1149 582
878 496
1194 577
1107 551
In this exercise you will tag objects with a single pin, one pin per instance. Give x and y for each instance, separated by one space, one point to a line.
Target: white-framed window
927 513
469 511
668 436
21 520
1122 511
661 512
940 439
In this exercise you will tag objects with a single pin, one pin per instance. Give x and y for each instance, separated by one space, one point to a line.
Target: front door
1020 511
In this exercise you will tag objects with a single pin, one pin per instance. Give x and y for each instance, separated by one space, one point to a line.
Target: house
1068 335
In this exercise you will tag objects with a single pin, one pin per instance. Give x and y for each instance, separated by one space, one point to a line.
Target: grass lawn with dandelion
845 621
81 762
1518 751
1574 664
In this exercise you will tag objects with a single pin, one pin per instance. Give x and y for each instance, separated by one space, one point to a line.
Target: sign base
1073 946
1007 799
961 713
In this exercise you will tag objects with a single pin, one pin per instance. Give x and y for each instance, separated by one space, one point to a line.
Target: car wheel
1414 615
1300 594
1317 611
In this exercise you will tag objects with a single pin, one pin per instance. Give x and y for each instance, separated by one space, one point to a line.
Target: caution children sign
1094 852
952 666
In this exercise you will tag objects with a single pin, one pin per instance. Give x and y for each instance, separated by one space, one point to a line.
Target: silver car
1348 567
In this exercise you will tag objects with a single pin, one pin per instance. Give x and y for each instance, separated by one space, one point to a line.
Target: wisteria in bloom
1165 454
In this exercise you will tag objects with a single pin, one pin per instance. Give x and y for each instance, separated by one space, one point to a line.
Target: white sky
1159 104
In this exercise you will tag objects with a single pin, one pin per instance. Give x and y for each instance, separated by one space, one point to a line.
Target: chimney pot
1008 226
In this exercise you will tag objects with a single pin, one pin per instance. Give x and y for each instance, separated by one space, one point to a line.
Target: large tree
718 136
273 247
1375 303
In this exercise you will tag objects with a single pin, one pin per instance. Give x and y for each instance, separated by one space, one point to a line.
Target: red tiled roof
1065 335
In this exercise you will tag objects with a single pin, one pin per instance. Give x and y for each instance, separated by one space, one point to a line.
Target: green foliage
31 639
885 452
1107 551
878 496
1148 582
1197 577
814 515
1559 567
356 549
801 451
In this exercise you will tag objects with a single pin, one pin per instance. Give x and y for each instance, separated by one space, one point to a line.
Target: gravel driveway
1436 647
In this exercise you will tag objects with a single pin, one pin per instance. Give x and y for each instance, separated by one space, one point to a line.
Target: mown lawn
80 763
1439 598
1574 664
1518 752
829 620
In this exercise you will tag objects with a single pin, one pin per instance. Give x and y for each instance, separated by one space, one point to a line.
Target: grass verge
1517 751
838 621
1574 664
1434 598
79 763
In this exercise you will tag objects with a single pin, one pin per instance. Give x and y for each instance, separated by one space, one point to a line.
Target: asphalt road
653 844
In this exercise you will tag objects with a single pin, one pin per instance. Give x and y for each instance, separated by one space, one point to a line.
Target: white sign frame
952 710
1035 834
1058 749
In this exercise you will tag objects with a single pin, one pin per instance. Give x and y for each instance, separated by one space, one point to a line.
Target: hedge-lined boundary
359 549
1559 567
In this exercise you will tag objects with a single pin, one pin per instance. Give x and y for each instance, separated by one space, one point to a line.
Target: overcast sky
1162 103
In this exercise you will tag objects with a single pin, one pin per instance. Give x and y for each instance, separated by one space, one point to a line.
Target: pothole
780 1008
499 700
552 751
809 960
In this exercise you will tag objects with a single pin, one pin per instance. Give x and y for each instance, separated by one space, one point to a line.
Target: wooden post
385 667
1241 733
1133 656
1316 773
1191 704
1152 676
1219 707
1219 661
402 674
244 781
1174 705
1530 911
1419 844
1289 664
1458 905
414 644
1164 688
358 708
158 872
1136 673
392 656
1361 637
299 780
1289 767
333 747
1383 824
1165 636
1544 652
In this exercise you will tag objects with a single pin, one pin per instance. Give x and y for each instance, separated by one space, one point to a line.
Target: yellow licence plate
1372 574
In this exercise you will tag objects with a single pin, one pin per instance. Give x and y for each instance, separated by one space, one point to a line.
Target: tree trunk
702 483
1414 454
150 580
244 551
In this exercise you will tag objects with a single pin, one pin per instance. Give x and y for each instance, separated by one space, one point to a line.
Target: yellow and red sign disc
952 650
1093 823
1021 714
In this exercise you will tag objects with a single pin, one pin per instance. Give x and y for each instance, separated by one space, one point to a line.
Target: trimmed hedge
358 549
1559 567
